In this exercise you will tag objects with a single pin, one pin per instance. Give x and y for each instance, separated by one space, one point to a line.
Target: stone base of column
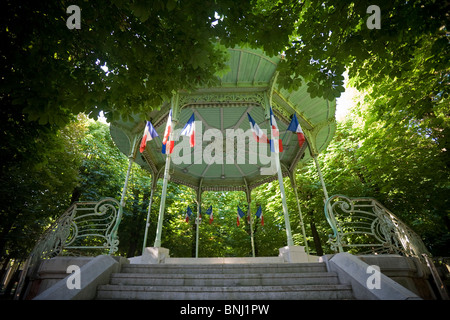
154 255
293 254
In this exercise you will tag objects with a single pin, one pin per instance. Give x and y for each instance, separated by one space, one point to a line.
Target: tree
400 164
38 173
152 48
405 168
103 167
149 48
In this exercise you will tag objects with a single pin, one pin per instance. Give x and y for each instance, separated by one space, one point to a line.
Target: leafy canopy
129 56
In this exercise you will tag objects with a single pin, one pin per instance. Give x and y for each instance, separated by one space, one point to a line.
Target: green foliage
152 48
38 173
103 168
394 147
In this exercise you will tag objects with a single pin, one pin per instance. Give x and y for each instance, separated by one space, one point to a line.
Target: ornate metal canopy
249 87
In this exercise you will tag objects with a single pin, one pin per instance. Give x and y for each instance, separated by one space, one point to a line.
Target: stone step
224 268
227 260
224 279
291 292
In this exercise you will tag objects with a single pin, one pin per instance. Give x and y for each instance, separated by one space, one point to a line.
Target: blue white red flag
240 214
166 139
276 144
258 134
260 215
294 126
189 130
149 134
188 213
210 213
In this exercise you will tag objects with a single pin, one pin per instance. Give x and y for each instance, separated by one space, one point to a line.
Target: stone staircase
280 281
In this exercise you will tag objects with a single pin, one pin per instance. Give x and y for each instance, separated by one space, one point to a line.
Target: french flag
258 134
188 214
189 130
294 126
240 214
167 132
149 134
260 215
276 145
210 213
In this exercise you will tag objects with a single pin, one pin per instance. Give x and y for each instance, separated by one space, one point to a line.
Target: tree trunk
134 234
316 237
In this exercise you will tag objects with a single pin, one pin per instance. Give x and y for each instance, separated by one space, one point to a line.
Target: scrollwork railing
364 225
87 227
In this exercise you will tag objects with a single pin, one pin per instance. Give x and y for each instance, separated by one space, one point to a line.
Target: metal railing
364 225
88 228
85 225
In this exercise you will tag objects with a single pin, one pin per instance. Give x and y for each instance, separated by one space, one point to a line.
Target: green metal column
163 202
294 186
199 213
147 224
174 107
248 194
251 229
325 192
290 241
276 158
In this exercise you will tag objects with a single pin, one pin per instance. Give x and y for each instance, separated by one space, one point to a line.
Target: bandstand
225 156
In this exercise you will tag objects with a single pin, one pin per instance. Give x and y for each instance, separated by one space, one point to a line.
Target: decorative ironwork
231 97
364 225
85 225
90 227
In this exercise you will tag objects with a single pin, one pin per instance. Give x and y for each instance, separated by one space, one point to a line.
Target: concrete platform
292 254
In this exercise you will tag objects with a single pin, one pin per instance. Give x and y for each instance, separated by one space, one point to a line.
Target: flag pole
165 181
197 221
325 192
199 212
251 230
290 241
248 194
276 155
294 186
131 159
147 224
163 202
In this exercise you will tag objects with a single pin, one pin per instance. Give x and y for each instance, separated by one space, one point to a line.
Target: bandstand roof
249 86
